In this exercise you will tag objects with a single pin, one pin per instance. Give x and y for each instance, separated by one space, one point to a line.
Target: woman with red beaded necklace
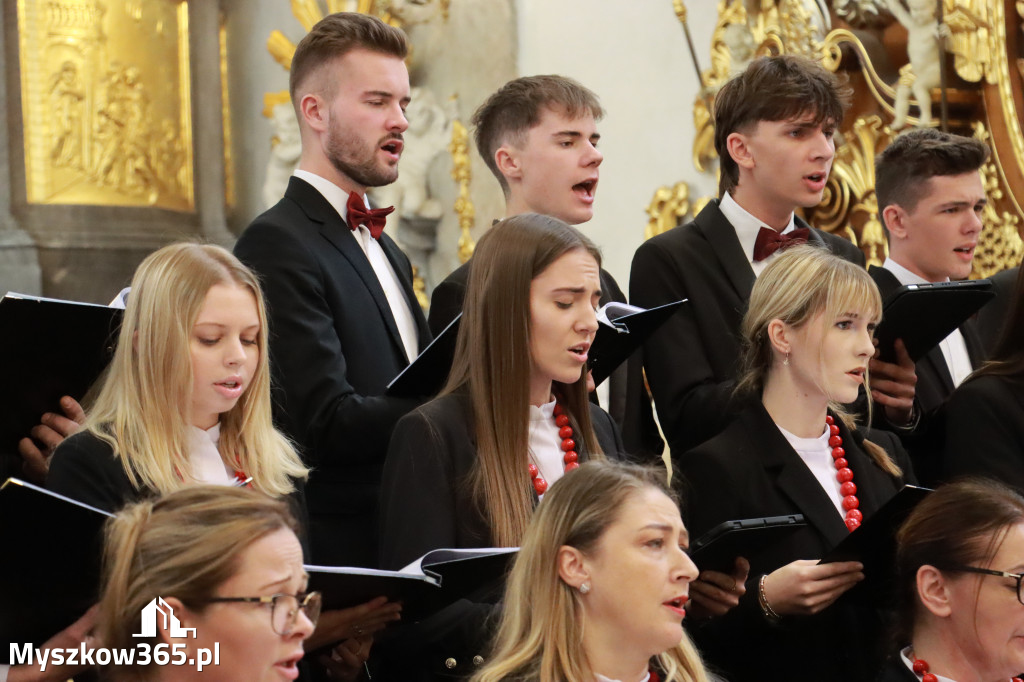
959 562
792 450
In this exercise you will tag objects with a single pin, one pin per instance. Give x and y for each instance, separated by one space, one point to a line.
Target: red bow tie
373 218
769 241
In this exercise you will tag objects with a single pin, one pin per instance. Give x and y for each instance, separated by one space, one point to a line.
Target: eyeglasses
284 608
989 571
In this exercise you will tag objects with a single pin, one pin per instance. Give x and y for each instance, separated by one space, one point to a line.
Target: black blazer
993 314
334 347
984 428
750 470
897 671
934 386
84 468
629 402
425 502
692 360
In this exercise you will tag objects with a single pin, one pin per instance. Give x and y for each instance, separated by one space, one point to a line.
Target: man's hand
46 436
893 384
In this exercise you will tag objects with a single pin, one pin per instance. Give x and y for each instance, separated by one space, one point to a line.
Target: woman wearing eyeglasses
959 562
228 563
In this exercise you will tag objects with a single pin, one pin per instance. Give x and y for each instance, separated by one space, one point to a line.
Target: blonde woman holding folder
791 449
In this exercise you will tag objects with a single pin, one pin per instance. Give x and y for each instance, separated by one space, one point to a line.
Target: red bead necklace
844 474
921 668
570 459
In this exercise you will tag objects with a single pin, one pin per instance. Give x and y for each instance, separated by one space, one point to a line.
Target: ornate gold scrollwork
459 150
668 208
999 245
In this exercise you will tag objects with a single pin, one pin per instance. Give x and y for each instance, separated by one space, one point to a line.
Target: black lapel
721 235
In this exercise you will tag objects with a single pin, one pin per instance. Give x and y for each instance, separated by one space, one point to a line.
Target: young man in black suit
774 127
538 135
343 317
930 198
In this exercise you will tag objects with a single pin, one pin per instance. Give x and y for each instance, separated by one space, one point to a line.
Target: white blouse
545 445
207 464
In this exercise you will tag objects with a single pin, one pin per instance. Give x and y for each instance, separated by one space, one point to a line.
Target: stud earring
584 588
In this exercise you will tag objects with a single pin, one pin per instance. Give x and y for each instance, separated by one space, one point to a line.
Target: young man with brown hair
343 316
538 135
930 199
774 127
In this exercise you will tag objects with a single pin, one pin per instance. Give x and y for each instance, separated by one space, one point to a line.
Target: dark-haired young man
538 135
774 127
930 198
343 317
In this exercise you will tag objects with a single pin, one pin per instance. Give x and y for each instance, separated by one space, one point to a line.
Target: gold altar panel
106 102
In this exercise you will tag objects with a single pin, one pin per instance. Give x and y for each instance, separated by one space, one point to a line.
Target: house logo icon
159 608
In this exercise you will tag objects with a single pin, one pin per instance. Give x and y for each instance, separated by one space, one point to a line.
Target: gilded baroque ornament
999 245
106 120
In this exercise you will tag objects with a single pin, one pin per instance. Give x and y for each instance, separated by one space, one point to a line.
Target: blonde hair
492 361
798 285
541 632
184 545
142 410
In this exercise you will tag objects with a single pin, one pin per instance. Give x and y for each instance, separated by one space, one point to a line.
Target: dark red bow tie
769 241
373 218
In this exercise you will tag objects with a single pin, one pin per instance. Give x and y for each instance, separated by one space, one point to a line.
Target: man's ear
506 158
572 566
314 111
739 150
933 591
895 220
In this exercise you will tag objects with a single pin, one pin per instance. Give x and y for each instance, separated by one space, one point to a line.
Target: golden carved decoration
225 115
999 245
106 102
461 173
668 208
849 197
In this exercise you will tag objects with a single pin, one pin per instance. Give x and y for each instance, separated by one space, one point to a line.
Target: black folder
424 377
717 549
48 349
924 314
50 573
874 542
614 343
434 581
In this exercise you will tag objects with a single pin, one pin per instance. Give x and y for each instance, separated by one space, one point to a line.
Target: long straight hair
542 628
493 363
798 285
142 410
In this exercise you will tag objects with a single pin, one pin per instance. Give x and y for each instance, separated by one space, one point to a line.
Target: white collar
746 224
335 196
904 275
904 655
602 678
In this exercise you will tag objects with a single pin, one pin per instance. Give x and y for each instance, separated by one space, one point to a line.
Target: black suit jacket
750 470
984 426
629 402
693 359
425 502
334 347
993 314
896 671
934 386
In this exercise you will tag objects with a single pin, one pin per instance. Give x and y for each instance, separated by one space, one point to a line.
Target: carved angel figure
923 36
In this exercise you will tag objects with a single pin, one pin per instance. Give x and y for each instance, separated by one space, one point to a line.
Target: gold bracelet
762 599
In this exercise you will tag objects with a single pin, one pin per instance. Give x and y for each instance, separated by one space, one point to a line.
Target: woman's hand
714 593
357 621
806 587
348 659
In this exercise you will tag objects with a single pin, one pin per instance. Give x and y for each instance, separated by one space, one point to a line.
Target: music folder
924 314
432 582
622 329
717 549
50 574
49 349
424 377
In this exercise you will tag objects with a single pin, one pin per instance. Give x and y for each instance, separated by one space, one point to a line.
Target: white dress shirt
204 456
954 350
602 678
389 282
905 657
545 445
817 455
747 227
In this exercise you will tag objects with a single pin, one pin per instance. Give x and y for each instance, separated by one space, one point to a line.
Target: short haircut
903 170
776 88
508 114
336 35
